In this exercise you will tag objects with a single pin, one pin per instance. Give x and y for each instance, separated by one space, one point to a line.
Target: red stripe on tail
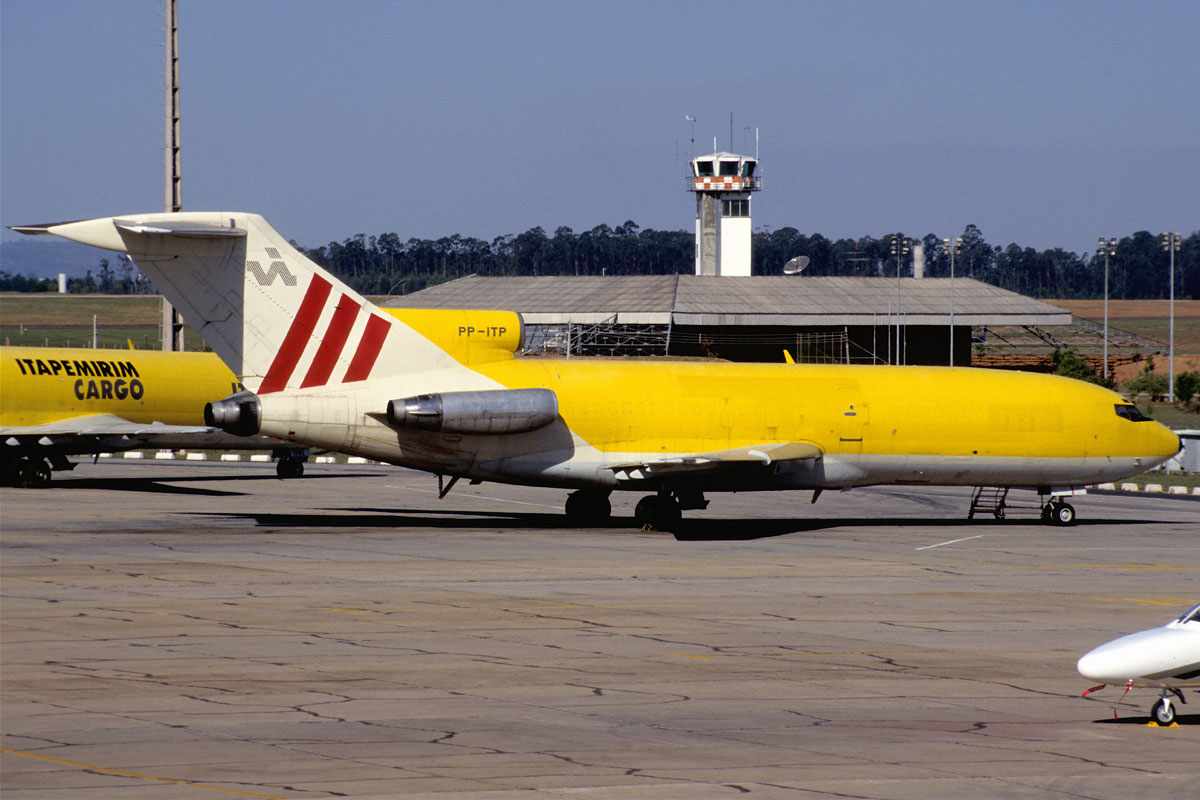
368 349
333 343
297 336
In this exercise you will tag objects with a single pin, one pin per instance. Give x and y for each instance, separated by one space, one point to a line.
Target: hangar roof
711 300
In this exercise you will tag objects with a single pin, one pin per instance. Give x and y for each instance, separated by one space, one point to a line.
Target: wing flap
101 425
762 455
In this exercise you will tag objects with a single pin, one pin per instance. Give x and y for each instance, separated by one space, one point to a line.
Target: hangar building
816 319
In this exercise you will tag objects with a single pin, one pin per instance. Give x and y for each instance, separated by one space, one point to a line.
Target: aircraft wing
101 425
762 455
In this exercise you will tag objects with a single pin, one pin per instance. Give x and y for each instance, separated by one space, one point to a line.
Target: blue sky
1045 123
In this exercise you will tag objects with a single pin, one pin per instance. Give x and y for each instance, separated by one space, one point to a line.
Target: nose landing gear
1058 513
1163 712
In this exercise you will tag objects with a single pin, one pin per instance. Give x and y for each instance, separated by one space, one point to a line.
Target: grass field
57 320
1142 309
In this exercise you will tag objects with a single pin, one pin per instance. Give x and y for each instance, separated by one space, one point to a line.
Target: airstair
994 500
989 500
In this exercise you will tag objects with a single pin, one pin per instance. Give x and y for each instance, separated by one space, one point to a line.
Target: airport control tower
723 183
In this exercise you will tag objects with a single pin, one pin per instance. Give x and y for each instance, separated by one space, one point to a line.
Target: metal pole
1106 313
953 247
172 323
93 331
1172 243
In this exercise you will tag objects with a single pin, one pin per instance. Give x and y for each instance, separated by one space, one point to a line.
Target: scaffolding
614 339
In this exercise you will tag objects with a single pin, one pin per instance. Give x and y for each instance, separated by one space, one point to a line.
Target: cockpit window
1130 412
1191 615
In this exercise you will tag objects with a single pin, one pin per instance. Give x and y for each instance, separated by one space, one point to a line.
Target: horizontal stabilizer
40 228
192 230
138 236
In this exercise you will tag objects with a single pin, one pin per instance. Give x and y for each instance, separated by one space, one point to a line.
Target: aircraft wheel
34 473
1064 514
289 469
583 508
1163 712
667 514
660 512
1048 513
646 510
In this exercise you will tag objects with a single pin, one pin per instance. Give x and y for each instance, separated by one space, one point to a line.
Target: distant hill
44 257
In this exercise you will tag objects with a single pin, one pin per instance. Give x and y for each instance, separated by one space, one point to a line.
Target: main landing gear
658 512
663 511
290 462
588 507
26 473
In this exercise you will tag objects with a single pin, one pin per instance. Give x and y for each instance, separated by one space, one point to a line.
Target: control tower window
704 168
748 169
729 168
735 208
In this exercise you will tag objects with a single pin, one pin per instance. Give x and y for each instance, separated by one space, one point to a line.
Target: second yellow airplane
442 391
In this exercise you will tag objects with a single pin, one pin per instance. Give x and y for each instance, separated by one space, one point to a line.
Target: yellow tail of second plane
443 391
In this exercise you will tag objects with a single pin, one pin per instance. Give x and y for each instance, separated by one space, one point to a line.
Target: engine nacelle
495 411
239 414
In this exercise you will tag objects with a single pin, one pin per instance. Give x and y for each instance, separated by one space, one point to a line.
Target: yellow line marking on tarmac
1135 567
952 541
1157 602
248 794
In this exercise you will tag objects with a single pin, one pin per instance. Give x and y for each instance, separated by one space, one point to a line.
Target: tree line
385 264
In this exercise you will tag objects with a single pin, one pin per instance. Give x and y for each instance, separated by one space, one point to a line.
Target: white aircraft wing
101 425
762 455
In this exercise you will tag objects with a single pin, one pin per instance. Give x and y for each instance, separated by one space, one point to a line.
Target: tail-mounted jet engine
239 414
498 411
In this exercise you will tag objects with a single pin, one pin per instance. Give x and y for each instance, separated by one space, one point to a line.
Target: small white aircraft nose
1099 666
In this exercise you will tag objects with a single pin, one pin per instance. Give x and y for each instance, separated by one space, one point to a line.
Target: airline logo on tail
333 340
278 267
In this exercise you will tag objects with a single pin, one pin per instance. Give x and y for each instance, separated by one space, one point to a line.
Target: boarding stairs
994 500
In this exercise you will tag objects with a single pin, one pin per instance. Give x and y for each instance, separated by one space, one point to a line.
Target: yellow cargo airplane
441 391
57 402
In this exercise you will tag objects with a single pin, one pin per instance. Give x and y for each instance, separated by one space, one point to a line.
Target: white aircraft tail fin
277 319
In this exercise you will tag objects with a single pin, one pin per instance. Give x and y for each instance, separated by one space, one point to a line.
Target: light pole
899 248
1170 243
952 247
1109 248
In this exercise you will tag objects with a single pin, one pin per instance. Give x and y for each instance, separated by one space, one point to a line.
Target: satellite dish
796 265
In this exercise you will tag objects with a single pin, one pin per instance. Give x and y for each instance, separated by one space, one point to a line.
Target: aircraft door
852 419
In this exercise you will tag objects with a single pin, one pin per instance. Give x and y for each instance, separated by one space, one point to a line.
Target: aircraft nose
1166 444
1099 665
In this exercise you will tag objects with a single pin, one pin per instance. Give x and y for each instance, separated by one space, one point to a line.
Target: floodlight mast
900 248
1171 242
1109 248
952 247
172 322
